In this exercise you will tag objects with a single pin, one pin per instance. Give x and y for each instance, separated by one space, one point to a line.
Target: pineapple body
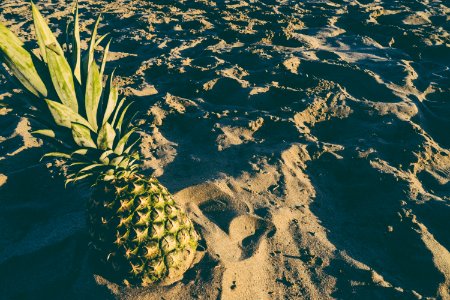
138 232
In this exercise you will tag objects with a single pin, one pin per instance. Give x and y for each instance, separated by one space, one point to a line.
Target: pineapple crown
90 124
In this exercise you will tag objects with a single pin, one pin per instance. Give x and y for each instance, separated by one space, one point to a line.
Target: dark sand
308 140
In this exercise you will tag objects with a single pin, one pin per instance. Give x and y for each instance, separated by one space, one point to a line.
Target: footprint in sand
231 231
234 235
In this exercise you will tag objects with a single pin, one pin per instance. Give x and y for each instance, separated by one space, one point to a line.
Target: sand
308 141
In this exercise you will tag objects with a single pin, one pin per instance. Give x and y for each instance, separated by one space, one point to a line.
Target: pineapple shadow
44 241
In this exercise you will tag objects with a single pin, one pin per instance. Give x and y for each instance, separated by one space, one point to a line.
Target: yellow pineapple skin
138 232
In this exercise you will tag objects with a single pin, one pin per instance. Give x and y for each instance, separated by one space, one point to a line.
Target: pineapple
137 231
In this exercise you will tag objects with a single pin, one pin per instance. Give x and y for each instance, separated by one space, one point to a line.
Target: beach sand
308 141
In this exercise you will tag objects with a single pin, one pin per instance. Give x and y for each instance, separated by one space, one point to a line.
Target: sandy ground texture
308 140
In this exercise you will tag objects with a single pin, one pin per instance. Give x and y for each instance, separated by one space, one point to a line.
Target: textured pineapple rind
138 231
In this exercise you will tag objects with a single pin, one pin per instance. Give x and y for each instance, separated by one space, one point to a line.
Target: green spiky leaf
43 33
64 116
9 37
100 39
90 167
112 99
93 94
61 75
127 123
81 152
116 161
122 116
94 131
117 110
132 145
105 58
122 142
105 157
45 132
92 45
56 154
82 136
106 137
78 164
20 63
76 45
124 163
78 178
